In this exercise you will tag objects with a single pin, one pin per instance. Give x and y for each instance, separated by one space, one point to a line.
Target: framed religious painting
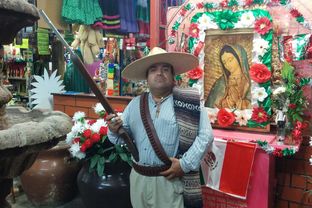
235 51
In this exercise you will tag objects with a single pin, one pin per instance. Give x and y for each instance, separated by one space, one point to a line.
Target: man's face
160 76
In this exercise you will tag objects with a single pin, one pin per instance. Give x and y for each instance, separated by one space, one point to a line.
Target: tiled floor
22 202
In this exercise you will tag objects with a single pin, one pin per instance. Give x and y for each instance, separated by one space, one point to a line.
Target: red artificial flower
103 130
88 143
278 152
118 109
87 133
95 138
259 73
224 3
200 5
83 148
263 25
259 115
295 13
173 33
195 73
292 106
248 2
76 140
90 122
225 118
296 133
194 30
183 11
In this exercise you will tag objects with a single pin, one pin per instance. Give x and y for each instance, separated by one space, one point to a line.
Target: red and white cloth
227 167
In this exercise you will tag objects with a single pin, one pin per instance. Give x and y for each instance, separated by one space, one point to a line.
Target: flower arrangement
289 99
88 141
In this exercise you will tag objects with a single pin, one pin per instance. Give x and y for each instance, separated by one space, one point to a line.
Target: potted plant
106 168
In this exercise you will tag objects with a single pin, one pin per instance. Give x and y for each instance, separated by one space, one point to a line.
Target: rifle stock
97 92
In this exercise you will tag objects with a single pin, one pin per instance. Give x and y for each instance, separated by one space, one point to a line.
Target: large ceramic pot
51 180
111 190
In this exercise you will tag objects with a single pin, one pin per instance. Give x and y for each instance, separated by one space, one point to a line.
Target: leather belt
149 171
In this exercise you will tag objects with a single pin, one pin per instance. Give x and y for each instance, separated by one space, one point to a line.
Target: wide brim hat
181 62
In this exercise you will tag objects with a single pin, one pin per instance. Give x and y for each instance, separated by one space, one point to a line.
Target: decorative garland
233 4
278 152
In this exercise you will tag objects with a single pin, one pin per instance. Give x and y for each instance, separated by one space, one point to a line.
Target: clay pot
110 190
51 180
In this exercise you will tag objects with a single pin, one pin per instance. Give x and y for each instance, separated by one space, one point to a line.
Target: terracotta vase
110 190
51 180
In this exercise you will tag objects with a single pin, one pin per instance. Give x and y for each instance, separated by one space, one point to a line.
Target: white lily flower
212 114
259 93
242 116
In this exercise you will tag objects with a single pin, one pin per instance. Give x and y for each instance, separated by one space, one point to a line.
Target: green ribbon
232 3
226 19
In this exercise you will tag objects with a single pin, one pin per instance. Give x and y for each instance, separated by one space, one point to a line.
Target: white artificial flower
260 47
202 35
279 90
205 22
242 116
78 127
247 20
212 114
69 137
78 115
97 125
310 141
259 93
98 108
75 151
310 160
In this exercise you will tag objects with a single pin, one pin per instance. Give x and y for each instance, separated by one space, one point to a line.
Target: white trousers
155 192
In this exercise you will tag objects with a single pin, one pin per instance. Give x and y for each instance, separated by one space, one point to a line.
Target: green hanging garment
84 12
73 79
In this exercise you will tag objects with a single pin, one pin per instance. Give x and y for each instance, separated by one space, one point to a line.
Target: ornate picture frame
239 99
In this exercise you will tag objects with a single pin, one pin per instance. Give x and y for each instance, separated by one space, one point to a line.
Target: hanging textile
143 17
84 12
128 22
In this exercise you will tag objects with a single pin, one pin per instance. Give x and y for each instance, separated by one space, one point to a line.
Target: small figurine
280 122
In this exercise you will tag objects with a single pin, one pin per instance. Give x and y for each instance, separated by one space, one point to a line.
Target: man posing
156 182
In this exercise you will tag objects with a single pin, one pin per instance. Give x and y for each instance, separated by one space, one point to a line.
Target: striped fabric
187 110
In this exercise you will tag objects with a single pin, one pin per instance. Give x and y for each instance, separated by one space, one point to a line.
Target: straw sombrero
181 62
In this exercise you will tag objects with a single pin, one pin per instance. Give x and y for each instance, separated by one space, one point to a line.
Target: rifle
77 61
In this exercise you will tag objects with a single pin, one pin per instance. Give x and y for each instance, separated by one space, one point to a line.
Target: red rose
88 143
225 118
83 148
95 138
87 133
259 73
195 73
259 115
103 130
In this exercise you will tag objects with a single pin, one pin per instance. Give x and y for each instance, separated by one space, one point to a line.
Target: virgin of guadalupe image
232 89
